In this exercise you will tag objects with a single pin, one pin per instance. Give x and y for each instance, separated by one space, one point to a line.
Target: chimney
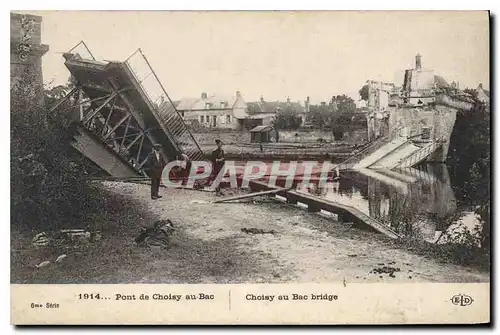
203 95
261 98
238 94
418 62
307 104
481 85
288 100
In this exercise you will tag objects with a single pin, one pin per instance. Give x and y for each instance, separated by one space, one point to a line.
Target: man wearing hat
217 159
157 163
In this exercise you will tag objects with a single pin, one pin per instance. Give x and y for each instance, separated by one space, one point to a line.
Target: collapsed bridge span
121 109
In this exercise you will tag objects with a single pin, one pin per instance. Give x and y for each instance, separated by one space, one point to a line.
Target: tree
343 104
344 109
469 159
319 116
363 92
47 188
287 118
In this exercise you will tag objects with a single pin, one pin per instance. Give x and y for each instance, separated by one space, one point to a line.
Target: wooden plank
291 199
114 178
318 204
251 195
313 208
259 185
332 207
335 207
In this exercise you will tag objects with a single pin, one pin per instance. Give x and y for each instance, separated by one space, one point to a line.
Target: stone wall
411 121
206 136
26 49
228 137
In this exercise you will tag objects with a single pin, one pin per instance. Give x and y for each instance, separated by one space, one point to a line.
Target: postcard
250 167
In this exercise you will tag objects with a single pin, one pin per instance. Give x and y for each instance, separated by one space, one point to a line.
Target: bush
47 188
469 159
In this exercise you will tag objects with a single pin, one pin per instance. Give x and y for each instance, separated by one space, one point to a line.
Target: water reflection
417 203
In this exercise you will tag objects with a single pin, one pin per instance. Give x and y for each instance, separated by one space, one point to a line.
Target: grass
116 259
459 254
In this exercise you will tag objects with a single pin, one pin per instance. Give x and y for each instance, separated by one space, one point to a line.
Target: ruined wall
411 121
421 81
26 49
379 94
445 121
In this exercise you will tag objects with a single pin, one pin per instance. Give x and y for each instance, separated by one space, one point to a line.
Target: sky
275 54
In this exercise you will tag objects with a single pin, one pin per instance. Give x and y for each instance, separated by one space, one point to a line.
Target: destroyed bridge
122 109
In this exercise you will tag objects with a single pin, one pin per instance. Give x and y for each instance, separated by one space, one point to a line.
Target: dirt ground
210 247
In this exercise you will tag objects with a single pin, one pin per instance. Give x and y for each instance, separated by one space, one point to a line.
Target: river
415 202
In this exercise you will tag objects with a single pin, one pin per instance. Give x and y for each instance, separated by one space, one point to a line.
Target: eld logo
461 300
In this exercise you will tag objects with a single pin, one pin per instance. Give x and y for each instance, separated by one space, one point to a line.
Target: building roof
215 101
254 107
274 106
260 129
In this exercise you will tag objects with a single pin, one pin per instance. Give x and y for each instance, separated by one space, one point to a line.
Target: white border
183 5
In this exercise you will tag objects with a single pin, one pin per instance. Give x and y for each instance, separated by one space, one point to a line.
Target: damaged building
423 108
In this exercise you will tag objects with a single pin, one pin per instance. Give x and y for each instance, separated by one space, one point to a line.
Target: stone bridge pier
26 50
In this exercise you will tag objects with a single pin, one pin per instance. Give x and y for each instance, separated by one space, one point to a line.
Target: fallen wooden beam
112 178
316 203
204 189
251 195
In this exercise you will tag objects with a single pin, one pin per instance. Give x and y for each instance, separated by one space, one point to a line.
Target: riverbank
209 246
293 145
277 152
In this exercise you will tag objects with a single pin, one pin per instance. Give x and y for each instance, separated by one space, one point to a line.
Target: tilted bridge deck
127 110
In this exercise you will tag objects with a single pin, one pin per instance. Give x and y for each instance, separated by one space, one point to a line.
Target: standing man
217 159
187 168
157 163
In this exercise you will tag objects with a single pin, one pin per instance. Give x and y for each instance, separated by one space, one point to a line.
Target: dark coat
156 165
217 154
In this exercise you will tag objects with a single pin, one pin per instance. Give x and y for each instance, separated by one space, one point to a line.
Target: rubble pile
157 235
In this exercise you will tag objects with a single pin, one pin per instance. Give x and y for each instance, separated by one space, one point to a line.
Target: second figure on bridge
218 160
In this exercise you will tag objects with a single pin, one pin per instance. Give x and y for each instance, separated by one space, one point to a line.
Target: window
202 119
228 118
426 133
207 118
